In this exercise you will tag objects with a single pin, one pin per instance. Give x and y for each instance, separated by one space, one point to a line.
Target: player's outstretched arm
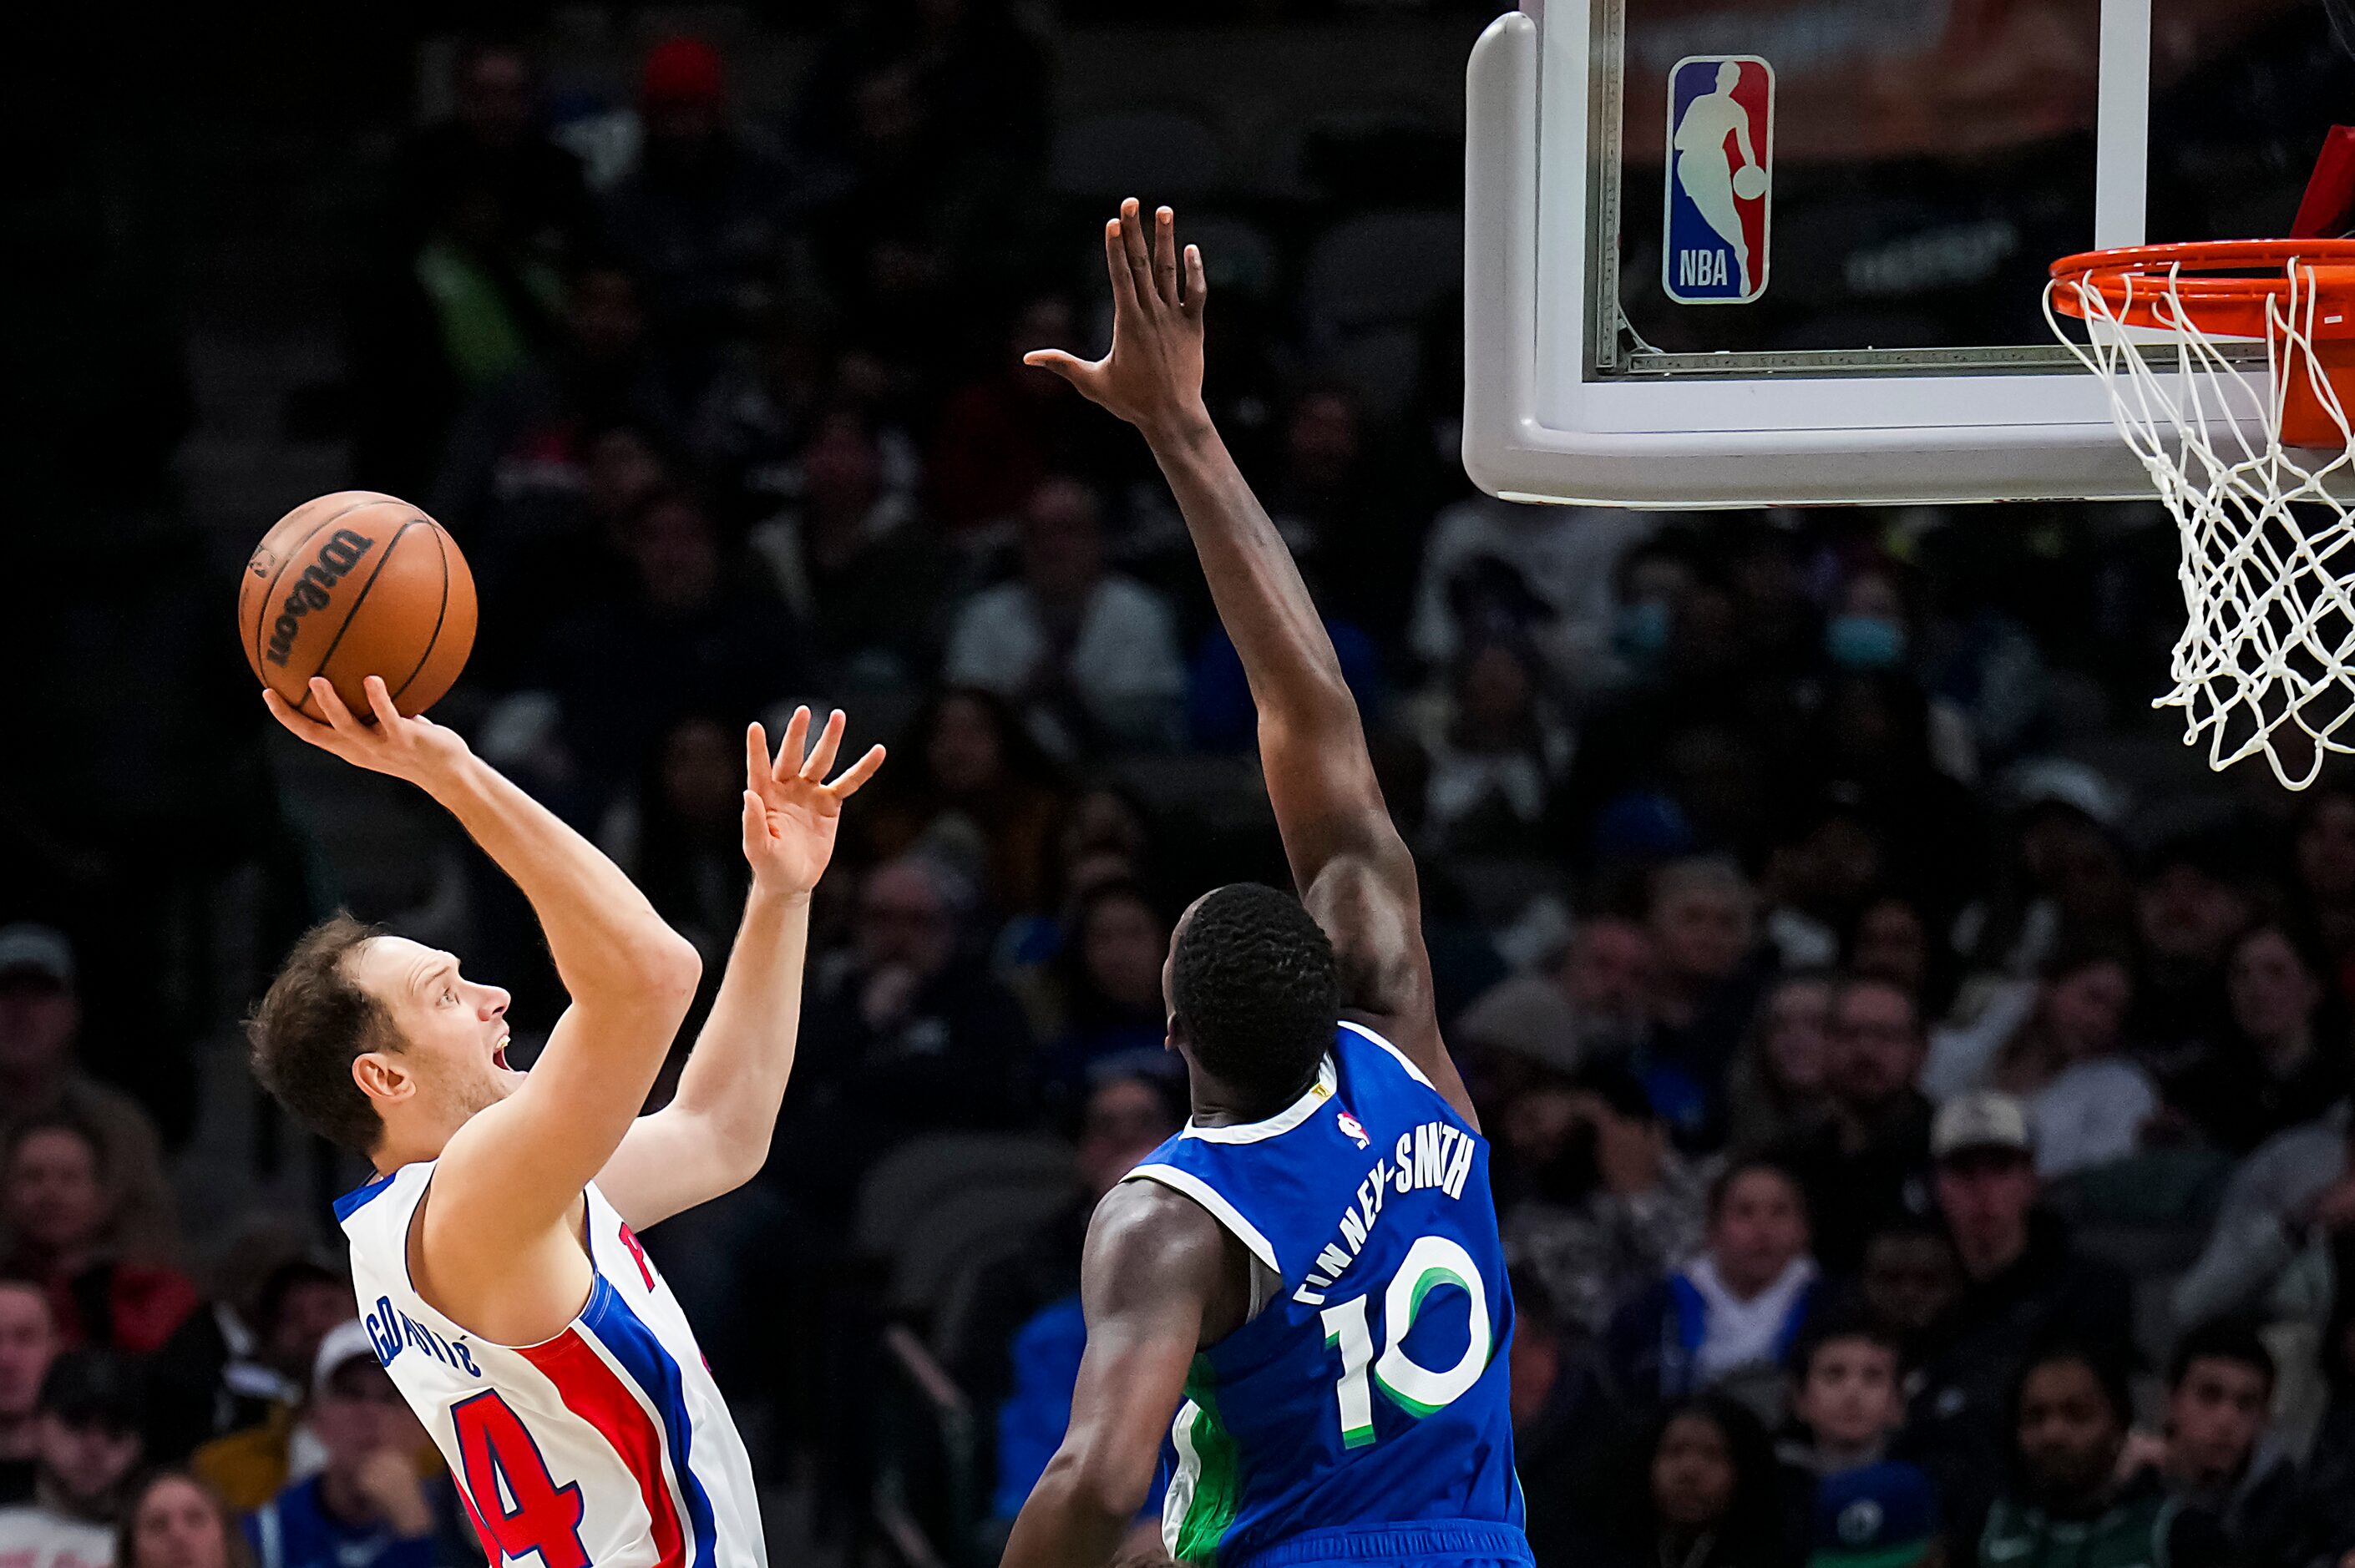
714 1134
514 1173
1353 870
1156 1272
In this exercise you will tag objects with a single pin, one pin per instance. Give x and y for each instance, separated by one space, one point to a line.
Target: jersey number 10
1431 1262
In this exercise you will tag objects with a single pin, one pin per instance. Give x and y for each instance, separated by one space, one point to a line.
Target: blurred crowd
1915 1141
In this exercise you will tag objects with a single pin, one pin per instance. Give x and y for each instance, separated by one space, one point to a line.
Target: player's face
454 1032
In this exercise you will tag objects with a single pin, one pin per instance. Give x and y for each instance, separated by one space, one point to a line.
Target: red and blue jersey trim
592 1389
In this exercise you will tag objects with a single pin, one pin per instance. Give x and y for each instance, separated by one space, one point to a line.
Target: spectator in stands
2021 1285
29 1342
2284 1209
971 788
371 1505
1892 940
1090 657
175 1520
40 1022
1870 1162
86 1443
1004 434
1494 764
904 1033
1487 560
854 560
1019 1353
494 140
2188 909
1845 1403
2056 1044
689 632
1703 917
1847 1395
1350 506
2068 1418
1774 1089
228 1370
1109 1011
2326 877
515 450
706 216
1548 1439
1591 1001
1613 1209
2286 1053
2217 1453
680 833
1727 1319
61 1223
1908 1281
2059 868
1699 1490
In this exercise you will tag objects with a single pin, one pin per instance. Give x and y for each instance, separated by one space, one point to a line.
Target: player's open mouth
499 1055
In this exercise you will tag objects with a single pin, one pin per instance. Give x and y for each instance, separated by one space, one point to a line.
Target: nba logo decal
1350 1126
1719 168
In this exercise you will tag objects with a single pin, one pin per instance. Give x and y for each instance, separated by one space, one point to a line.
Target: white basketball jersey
607 1447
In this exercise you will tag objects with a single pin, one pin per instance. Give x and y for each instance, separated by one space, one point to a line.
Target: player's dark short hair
311 1024
2232 1340
1255 982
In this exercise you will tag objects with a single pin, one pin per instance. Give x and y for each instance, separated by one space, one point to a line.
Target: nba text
393 1332
1432 1155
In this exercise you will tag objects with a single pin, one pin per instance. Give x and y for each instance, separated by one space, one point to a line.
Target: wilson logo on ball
338 556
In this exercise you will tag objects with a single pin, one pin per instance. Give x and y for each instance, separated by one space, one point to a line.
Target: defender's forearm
603 934
1061 1526
1256 586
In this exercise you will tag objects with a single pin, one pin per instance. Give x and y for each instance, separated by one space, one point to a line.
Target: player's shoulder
1149 1230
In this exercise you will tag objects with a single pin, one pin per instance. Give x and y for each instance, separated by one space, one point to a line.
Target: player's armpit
1159 1278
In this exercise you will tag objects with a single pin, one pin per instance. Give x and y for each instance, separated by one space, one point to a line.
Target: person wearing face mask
1867 629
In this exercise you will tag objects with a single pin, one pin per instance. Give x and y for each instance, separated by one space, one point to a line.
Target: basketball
353 585
1749 181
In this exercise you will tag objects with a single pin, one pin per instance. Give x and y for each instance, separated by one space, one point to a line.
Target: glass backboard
1739 251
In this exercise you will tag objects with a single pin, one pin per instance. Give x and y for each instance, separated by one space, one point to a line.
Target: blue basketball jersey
1362 1414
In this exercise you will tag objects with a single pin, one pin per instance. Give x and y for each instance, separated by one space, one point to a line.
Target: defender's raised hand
1152 376
790 813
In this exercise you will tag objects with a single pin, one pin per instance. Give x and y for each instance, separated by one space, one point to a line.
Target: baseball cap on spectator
1985 1120
346 1342
92 1388
1876 1516
2056 781
29 949
681 71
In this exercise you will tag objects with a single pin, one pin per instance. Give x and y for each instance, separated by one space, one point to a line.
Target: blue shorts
1464 1543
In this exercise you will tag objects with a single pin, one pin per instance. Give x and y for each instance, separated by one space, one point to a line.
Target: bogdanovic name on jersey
393 1332
1434 1155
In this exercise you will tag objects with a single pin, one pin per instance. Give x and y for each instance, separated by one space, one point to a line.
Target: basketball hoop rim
2177 288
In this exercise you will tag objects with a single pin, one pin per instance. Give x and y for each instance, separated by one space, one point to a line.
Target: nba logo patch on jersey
1720 196
1352 1129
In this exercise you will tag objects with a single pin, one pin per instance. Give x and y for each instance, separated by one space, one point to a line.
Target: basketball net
2266 661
